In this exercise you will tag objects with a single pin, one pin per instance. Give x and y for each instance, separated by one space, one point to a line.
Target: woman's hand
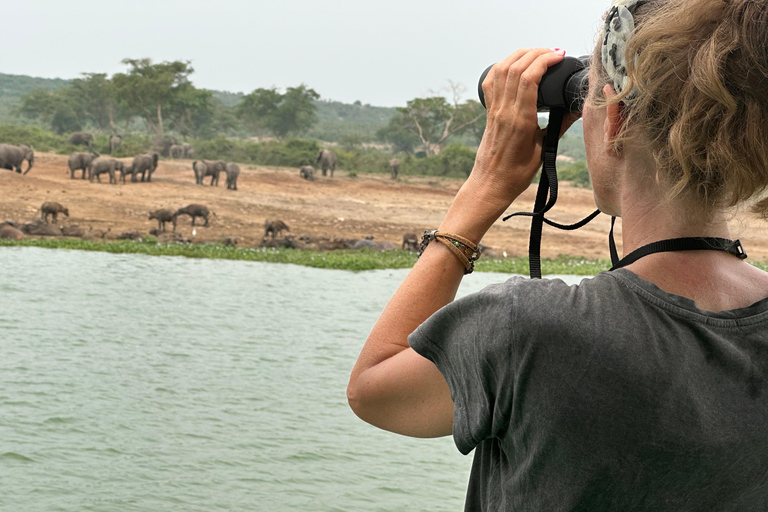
510 152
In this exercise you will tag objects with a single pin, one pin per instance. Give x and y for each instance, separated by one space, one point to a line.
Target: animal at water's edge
163 215
53 209
410 242
394 168
12 157
275 227
195 210
327 160
104 166
144 164
233 171
80 161
203 168
307 172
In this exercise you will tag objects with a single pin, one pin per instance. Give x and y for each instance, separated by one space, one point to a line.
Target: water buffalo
163 215
195 210
52 209
276 227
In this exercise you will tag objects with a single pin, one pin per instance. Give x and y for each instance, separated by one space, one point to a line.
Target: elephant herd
205 168
96 165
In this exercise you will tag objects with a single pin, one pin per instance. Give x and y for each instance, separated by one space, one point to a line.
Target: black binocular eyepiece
564 85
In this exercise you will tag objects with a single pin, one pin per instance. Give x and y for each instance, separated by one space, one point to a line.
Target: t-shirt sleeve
472 343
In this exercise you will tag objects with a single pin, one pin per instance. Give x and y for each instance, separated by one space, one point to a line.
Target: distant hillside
13 87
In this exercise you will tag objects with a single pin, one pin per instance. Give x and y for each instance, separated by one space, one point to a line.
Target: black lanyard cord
546 196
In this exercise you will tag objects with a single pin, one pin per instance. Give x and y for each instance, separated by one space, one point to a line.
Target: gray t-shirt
610 395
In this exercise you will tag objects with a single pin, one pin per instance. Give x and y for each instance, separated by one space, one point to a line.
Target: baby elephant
307 172
52 209
163 215
195 210
276 227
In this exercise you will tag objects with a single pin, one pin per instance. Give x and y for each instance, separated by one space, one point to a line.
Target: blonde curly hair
701 72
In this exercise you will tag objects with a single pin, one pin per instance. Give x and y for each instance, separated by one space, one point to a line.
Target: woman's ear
614 118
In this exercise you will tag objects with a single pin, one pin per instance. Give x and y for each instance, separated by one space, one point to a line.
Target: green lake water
138 383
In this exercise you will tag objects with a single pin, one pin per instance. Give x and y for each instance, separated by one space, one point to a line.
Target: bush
33 136
577 173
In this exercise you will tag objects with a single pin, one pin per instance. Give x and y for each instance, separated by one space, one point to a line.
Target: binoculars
564 85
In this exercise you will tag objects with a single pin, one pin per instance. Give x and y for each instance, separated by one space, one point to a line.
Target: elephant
163 145
163 215
233 171
195 210
188 150
125 170
81 161
11 157
394 167
104 165
212 169
144 164
176 151
52 209
276 227
410 242
115 141
307 172
81 139
327 160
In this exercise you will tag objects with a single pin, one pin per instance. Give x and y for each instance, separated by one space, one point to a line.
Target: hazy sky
382 53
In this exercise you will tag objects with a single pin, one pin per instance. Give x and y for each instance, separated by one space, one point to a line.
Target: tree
434 120
147 89
95 95
282 114
59 108
400 134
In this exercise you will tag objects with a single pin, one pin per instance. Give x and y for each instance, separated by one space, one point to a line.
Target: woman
643 388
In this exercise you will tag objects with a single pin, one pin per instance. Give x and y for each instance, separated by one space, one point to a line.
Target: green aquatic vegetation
366 259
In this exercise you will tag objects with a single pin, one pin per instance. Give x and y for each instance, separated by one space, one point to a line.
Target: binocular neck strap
546 195
691 243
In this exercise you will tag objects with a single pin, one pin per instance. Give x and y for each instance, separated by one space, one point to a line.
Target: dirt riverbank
338 207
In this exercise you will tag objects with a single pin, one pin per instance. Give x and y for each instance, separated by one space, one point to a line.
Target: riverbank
358 260
345 207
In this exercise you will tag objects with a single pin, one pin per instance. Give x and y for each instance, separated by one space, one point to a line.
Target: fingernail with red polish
559 51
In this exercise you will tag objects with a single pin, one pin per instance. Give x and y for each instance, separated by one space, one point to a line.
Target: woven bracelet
464 249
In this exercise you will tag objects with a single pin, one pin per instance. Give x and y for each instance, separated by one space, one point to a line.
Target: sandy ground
338 207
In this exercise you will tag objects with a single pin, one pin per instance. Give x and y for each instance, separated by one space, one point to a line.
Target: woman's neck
714 280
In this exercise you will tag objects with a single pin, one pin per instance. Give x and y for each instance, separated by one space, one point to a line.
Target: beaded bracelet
464 249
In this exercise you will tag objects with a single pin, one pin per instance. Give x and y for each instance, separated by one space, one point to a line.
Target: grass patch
365 259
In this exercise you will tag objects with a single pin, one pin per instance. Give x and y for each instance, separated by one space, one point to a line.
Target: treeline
160 98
